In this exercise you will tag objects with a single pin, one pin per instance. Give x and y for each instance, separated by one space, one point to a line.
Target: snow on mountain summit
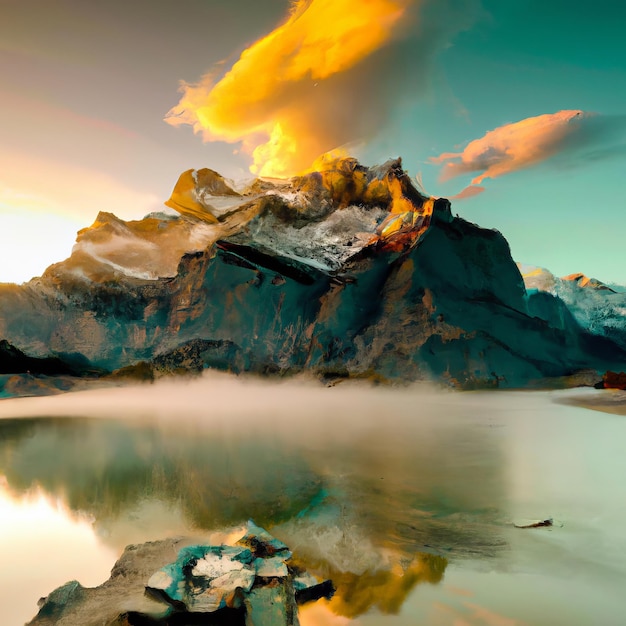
594 305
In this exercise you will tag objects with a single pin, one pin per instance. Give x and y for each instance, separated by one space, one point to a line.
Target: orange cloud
469 192
282 98
511 147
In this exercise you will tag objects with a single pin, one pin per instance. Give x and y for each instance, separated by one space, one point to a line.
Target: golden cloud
282 98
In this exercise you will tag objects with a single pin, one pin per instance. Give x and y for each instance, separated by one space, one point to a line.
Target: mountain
598 308
347 271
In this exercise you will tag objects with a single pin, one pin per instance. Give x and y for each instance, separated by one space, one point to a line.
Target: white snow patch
214 565
326 244
200 236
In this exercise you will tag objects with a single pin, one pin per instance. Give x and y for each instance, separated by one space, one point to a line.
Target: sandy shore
605 400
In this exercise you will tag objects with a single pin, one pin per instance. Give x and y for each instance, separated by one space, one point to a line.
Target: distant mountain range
597 307
346 272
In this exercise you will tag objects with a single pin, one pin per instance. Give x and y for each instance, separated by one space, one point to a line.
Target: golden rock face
346 183
184 199
332 184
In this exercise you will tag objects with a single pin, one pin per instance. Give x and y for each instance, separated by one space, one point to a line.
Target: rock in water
545 523
249 582
73 605
254 574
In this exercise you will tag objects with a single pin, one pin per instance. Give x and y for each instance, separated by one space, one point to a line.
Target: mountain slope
594 306
347 271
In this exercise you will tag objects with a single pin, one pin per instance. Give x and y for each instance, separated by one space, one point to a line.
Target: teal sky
85 87
525 59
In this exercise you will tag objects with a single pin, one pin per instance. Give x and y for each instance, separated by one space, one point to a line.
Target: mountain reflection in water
377 489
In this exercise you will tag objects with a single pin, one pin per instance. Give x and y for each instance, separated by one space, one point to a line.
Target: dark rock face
14 361
346 272
23 375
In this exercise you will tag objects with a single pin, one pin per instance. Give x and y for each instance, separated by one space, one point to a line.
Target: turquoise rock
252 573
53 606
261 542
238 553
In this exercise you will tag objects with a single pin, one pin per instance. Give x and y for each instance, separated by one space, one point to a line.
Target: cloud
328 76
469 192
513 147
598 138
567 139
274 97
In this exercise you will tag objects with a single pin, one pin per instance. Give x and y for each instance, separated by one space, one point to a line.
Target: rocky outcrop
23 375
255 576
14 361
349 271
251 583
110 602
613 380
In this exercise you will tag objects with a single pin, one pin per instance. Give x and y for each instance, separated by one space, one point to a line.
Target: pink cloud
469 192
511 147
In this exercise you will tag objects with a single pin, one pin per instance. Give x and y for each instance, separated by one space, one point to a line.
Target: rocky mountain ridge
594 306
348 271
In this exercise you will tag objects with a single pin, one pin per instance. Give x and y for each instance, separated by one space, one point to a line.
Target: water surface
404 497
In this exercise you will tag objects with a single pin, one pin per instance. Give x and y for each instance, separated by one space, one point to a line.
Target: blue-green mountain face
349 271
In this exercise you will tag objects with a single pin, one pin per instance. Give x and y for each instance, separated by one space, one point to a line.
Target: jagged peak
343 181
333 184
213 183
104 220
185 198
584 281
105 217
162 216
327 216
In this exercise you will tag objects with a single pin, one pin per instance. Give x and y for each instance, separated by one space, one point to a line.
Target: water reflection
380 489
376 491
400 493
383 589
108 468
42 545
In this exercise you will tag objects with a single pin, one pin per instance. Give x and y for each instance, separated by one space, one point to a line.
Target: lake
405 497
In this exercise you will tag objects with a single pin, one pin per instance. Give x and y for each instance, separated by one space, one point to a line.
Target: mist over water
379 488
